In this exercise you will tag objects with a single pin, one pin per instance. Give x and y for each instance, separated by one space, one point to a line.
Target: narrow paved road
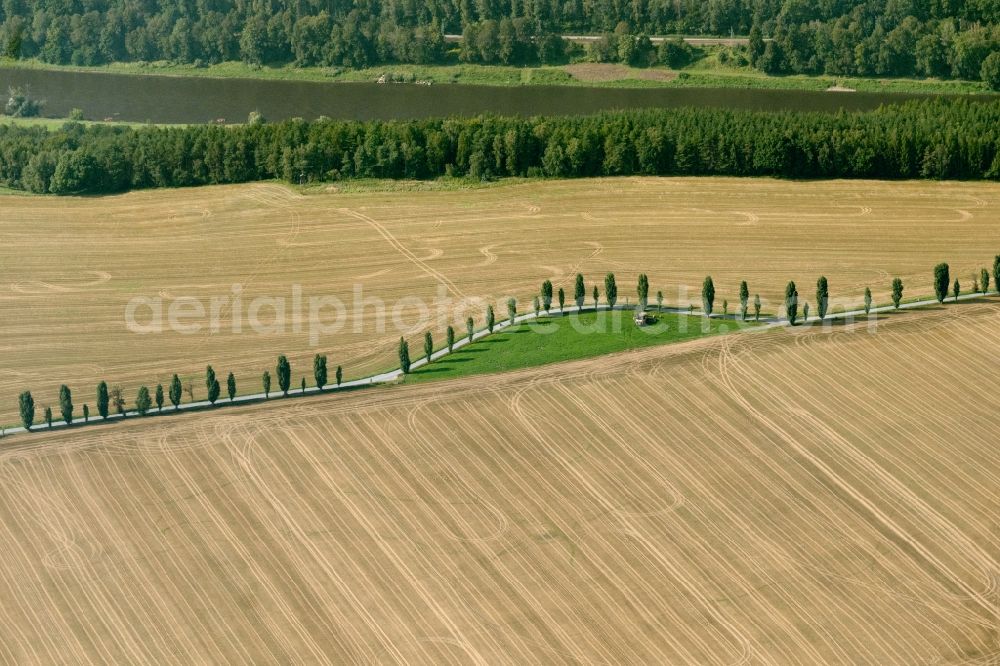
394 375
694 41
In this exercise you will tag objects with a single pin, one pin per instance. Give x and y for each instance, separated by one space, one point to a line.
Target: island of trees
114 396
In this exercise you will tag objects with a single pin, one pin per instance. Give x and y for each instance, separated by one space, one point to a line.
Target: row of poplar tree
108 397
943 285
542 302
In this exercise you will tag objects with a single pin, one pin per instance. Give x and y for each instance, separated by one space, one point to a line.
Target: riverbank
707 72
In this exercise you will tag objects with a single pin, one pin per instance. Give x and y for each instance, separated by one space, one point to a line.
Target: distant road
695 41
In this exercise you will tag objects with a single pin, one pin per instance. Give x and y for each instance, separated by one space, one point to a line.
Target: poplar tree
490 318
27 407
659 301
159 397
708 296
231 386
470 327
547 295
868 300
942 281
142 401
744 299
284 372
319 370
897 292
562 299
756 307
176 391
642 290
213 391
450 336
791 302
822 297
428 345
66 404
511 310
265 381
597 296
103 399
610 289
984 280
956 289
579 291
404 356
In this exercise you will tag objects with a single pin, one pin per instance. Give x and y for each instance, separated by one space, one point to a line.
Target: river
174 99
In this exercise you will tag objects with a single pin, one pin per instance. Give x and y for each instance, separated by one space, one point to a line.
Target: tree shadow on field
434 368
839 321
816 324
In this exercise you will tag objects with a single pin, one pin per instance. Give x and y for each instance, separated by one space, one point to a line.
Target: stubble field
68 267
808 496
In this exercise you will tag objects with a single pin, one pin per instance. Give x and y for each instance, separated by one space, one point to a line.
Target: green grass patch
723 77
566 338
225 70
495 75
56 124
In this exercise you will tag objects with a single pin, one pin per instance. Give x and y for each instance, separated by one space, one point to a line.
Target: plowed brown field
777 496
68 267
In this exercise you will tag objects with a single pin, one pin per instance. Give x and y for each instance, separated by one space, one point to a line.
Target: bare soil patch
599 71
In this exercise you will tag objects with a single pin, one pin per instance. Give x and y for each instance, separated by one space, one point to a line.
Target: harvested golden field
70 266
777 496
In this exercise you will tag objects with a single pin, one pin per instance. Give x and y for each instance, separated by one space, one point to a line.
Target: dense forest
957 139
894 43
946 38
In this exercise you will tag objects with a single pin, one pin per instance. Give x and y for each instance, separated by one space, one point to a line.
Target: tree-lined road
395 375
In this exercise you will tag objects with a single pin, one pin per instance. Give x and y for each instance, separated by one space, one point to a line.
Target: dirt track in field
68 267
799 496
